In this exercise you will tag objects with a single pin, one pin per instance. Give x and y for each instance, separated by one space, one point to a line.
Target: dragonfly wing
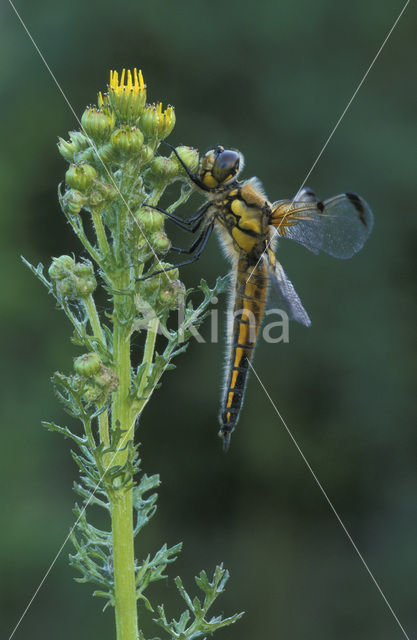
287 296
339 226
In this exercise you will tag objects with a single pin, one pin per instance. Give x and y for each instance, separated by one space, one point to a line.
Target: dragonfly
248 226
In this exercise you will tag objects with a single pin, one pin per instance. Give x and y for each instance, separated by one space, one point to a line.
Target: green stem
79 232
148 353
124 566
121 499
100 233
103 419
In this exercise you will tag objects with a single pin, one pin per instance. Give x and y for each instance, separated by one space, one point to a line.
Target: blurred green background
270 78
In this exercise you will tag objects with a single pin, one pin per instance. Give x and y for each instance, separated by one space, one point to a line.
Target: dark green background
270 78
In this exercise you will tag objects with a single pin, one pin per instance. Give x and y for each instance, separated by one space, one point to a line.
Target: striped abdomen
245 317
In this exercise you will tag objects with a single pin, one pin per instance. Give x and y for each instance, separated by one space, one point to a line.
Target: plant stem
100 232
103 419
121 499
148 353
124 566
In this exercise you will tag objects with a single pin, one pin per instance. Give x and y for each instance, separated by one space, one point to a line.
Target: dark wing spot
320 206
357 203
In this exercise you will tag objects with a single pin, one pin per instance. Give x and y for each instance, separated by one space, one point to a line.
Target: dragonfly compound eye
226 166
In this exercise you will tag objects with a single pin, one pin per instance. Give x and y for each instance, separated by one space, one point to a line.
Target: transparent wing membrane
339 226
288 299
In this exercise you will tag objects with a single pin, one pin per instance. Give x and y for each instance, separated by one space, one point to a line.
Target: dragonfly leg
194 245
201 240
188 224
193 176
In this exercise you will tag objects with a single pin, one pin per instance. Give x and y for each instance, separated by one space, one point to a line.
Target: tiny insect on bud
80 177
87 365
97 124
127 140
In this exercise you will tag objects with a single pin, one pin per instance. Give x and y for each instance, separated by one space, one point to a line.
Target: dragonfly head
220 166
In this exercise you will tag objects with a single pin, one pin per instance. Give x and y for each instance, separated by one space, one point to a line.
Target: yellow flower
134 83
127 95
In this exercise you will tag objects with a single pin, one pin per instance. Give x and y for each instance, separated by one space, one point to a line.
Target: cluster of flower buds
72 279
164 291
121 128
100 381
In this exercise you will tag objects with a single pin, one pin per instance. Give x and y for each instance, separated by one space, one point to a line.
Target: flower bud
78 143
85 281
106 379
61 267
102 194
74 201
150 286
166 122
146 154
87 365
148 122
91 393
156 123
72 279
149 219
189 156
127 140
66 149
106 153
80 177
160 242
97 124
172 295
127 99
103 383
79 140
160 170
168 276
